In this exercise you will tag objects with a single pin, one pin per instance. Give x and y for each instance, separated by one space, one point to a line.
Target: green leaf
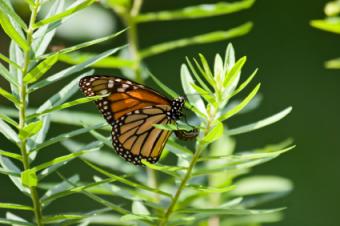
36 73
8 10
9 96
139 209
127 193
76 118
71 219
107 159
199 39
64 94
7 60
39 137
17 56
71 189
62 53
214 134
43 36
108 62
15 222
10 155
261 185
9 120
60 218
11 216
205 70
218 69
69 186
195 12
29 178
61 159
127 182
137 218
92 146
259 219
7 75
106 203
244 84
15 206
9 166
197 77
331 24
64 14
30 3
222 211
165 88
60 187
241 105
194 100
333 64
260 124
233 75
8 132
171 170
204 93
172 127
73 69
179 150
12 32
270 151
203 189
10 173
65 105
30 130
229 58
238 162
65 136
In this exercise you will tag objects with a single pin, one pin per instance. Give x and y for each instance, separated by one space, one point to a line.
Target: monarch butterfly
132 109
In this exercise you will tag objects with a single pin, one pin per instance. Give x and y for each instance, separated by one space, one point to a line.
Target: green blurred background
290 56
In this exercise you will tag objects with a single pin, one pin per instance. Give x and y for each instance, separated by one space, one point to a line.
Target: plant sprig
203 174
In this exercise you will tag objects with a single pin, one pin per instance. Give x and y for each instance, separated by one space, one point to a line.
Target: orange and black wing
123 97
135 138
132 110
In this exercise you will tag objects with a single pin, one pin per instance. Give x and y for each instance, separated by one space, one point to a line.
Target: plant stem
129 19
187 176
200 146
133 41
22 113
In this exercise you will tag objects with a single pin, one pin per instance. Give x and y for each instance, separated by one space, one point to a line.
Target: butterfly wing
123 97
132 110
135 138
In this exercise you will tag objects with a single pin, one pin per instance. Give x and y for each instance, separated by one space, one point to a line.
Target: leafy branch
223 80
330 24
206 173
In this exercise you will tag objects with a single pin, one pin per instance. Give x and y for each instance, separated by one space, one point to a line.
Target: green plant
130 14
331 24
204 177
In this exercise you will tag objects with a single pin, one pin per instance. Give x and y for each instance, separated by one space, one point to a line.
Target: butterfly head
176 108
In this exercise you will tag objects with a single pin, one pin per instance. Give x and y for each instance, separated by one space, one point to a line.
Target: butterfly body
132 109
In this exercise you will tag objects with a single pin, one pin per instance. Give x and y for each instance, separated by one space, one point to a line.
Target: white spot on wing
103 92
110 84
